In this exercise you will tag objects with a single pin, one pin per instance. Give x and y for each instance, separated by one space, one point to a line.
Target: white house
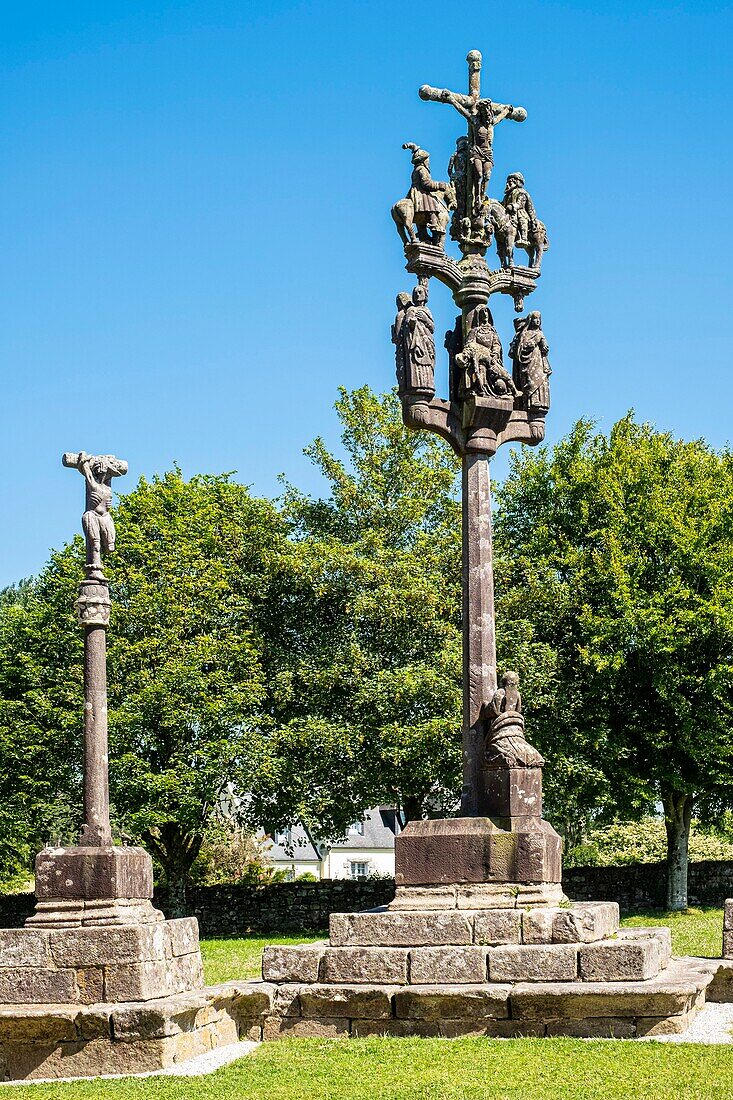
367 849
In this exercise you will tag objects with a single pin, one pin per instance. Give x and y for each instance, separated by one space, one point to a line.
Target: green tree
363 665
619 552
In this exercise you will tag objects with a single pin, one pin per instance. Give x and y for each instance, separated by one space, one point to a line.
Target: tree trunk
412 808
176 851
677 817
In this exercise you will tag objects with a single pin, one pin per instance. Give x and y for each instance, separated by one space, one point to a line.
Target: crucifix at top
483 115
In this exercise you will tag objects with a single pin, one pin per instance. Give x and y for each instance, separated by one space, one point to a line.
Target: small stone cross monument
95 882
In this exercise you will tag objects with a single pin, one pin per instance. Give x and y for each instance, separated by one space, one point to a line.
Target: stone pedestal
522 971
458 850
93 886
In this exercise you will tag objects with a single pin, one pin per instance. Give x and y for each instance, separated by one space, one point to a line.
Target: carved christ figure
97 523
483 116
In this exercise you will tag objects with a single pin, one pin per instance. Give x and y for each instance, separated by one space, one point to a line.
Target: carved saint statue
427 205
97 523
481 363
531 367
413 336
506 745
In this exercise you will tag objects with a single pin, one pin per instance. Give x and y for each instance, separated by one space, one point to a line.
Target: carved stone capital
93 604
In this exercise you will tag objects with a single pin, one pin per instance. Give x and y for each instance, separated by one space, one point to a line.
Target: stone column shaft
479 630
96 755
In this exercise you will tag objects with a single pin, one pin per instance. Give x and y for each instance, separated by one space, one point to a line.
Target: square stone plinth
93 873
476 850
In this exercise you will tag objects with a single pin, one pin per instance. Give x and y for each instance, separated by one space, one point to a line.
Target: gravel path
713 1024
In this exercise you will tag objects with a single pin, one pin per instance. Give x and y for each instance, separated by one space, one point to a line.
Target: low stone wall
643 885
297 906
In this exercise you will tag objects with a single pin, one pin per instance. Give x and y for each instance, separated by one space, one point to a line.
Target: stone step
637 957
579 923
623 1009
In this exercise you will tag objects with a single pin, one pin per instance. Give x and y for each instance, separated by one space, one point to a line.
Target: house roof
381 825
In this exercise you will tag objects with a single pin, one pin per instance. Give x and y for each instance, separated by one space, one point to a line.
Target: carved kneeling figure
506 745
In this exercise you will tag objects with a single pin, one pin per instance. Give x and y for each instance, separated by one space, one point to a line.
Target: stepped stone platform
85 1000
518 970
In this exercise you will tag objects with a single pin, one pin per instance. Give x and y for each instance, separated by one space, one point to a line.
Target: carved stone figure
531 367
427 206
481 363
98 525
483 116
523 229
413 334
506 745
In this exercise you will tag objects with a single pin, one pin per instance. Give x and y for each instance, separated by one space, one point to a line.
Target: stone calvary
480 939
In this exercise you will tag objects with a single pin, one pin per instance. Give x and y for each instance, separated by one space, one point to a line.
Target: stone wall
297 906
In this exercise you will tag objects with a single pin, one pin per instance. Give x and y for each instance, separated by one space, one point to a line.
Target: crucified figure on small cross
483 116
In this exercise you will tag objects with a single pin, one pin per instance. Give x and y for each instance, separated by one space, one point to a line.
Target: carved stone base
512 792
93 886
478 850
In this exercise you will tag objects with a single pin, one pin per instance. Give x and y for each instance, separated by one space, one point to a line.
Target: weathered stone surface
585 923
513 792
449 1029
37 1023
167 1016
286 999
144 981
81 872
508 895
728 945
452 1002
424 897
600 1027
324 1001
580 923
29 985
620 960
365 964
662 935
23 947
487 895
447 965
90 985
670 994
720 989
292 964
534 963
728 915
81 947
474 849
243 998
496 926
184 935
400 929
95 1023
665 1025
302 1027
188 971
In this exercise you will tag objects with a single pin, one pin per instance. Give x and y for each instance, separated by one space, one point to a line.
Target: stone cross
93 607
487 406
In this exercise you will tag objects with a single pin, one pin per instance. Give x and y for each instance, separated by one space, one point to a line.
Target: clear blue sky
196 241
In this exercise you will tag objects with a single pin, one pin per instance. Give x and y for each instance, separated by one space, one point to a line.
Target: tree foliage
619 551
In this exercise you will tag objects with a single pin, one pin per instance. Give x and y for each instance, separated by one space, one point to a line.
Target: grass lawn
440 1069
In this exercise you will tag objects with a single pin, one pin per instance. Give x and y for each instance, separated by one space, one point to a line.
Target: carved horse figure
408 220
505 233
